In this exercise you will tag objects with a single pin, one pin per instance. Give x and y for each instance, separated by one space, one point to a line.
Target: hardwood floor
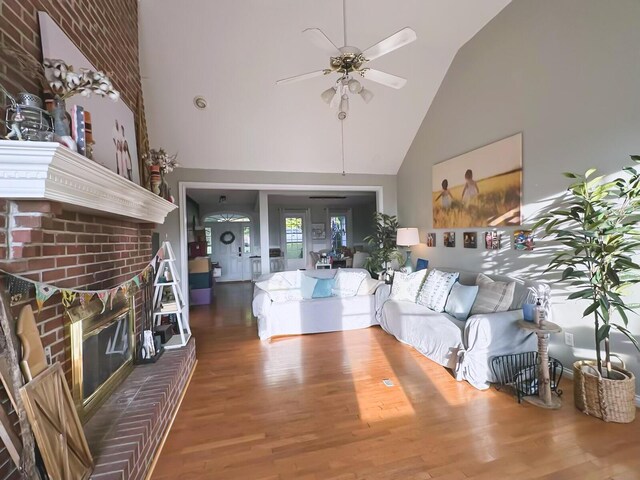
314 408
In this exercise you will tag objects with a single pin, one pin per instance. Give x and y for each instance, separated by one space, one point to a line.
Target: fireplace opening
102 344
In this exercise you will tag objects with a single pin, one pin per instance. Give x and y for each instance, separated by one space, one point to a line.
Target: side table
543 331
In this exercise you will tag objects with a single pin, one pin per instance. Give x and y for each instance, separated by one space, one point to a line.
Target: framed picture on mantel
113 124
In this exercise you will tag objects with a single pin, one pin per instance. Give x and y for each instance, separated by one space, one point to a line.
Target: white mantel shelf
49 171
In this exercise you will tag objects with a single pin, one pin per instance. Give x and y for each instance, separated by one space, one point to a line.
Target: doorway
295 228
229 245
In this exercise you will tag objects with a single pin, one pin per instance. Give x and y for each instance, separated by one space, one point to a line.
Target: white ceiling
234 197
232 52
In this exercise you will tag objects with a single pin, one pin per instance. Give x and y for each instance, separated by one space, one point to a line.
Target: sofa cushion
492 296
436 289
406 286
460 301
281 281
369 286
307 285
347 282
323 288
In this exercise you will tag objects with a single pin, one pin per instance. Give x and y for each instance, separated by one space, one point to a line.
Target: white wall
566 73
361 217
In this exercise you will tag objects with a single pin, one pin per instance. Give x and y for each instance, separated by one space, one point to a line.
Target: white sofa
466 347
285 312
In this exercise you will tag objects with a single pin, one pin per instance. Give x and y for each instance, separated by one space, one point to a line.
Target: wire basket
519 371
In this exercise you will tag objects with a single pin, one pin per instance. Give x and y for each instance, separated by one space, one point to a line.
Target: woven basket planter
611 399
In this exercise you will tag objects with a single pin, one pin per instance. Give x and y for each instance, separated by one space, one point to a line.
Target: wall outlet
47 354
568 339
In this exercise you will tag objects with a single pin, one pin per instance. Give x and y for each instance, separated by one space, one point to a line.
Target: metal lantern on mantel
25 119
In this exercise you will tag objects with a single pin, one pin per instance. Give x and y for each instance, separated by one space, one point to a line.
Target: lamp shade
407 237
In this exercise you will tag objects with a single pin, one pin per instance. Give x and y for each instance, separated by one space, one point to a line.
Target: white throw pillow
436 289
276 282
369 286
348 282
406 286
492 296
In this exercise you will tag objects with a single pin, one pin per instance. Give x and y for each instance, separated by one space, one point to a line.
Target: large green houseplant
598 226
382 244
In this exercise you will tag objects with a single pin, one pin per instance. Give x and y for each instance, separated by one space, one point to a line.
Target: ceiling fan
348 61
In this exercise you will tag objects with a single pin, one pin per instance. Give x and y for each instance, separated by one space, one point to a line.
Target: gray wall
361 216
171 227
566 73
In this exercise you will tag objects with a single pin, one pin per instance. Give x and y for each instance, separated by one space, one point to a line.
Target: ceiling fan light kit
347 61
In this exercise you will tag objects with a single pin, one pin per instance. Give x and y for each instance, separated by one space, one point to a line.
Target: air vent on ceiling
328 197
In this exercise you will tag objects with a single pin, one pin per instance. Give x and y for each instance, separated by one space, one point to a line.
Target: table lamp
407 237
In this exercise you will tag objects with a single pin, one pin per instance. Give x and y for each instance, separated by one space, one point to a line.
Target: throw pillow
436 289
276 282
407 285
348 282
492 296
461 300
323 287
307 286
369 286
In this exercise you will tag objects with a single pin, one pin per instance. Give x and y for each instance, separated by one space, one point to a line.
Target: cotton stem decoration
65 82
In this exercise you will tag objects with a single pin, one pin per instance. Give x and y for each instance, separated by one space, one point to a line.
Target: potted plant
383 245
598 226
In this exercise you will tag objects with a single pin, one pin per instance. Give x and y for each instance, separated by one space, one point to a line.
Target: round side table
543 331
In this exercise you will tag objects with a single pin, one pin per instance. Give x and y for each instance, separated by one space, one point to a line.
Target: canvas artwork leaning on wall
481 188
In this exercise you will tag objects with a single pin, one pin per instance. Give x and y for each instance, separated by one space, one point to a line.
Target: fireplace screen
101 350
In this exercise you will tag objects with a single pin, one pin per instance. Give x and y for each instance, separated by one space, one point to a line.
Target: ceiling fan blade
389 44
320 40
304 76
384 78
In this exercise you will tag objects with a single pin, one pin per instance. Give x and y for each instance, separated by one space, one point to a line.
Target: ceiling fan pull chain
342 140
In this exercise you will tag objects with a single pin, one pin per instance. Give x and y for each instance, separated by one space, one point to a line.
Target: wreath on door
227 238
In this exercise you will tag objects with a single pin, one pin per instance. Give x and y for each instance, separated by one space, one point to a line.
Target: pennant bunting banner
43 293
68 297
104 298
19 287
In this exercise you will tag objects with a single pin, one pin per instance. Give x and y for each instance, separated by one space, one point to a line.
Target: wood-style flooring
314 407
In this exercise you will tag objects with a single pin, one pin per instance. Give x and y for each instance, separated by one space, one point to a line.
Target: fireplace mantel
49 171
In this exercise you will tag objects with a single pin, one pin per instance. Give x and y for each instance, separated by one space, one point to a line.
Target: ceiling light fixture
348 61
200 102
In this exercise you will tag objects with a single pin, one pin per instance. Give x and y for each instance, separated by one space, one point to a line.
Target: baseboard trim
568 372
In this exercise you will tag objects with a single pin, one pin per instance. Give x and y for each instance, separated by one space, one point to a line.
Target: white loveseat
283 311
466 347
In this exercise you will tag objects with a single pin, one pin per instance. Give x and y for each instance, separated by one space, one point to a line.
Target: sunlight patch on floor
376 401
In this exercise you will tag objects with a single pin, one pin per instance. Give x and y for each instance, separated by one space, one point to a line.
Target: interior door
295 245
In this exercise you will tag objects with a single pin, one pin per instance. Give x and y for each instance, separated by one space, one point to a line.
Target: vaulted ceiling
232 52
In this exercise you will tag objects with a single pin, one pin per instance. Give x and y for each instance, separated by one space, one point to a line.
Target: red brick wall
43 242
105 31
40 239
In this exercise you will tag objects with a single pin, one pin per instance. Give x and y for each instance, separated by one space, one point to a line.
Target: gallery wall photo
481 188
113 123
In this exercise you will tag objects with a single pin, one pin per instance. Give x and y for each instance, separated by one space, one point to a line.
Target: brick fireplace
88 232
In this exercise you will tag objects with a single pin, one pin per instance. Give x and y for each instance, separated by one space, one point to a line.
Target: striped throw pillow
492 296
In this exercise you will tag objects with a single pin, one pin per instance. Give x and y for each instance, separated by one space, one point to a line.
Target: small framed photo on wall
523 240
492 240
431 239
470 239
450 239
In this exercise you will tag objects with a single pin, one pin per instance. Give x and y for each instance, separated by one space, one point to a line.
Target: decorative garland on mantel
19 286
